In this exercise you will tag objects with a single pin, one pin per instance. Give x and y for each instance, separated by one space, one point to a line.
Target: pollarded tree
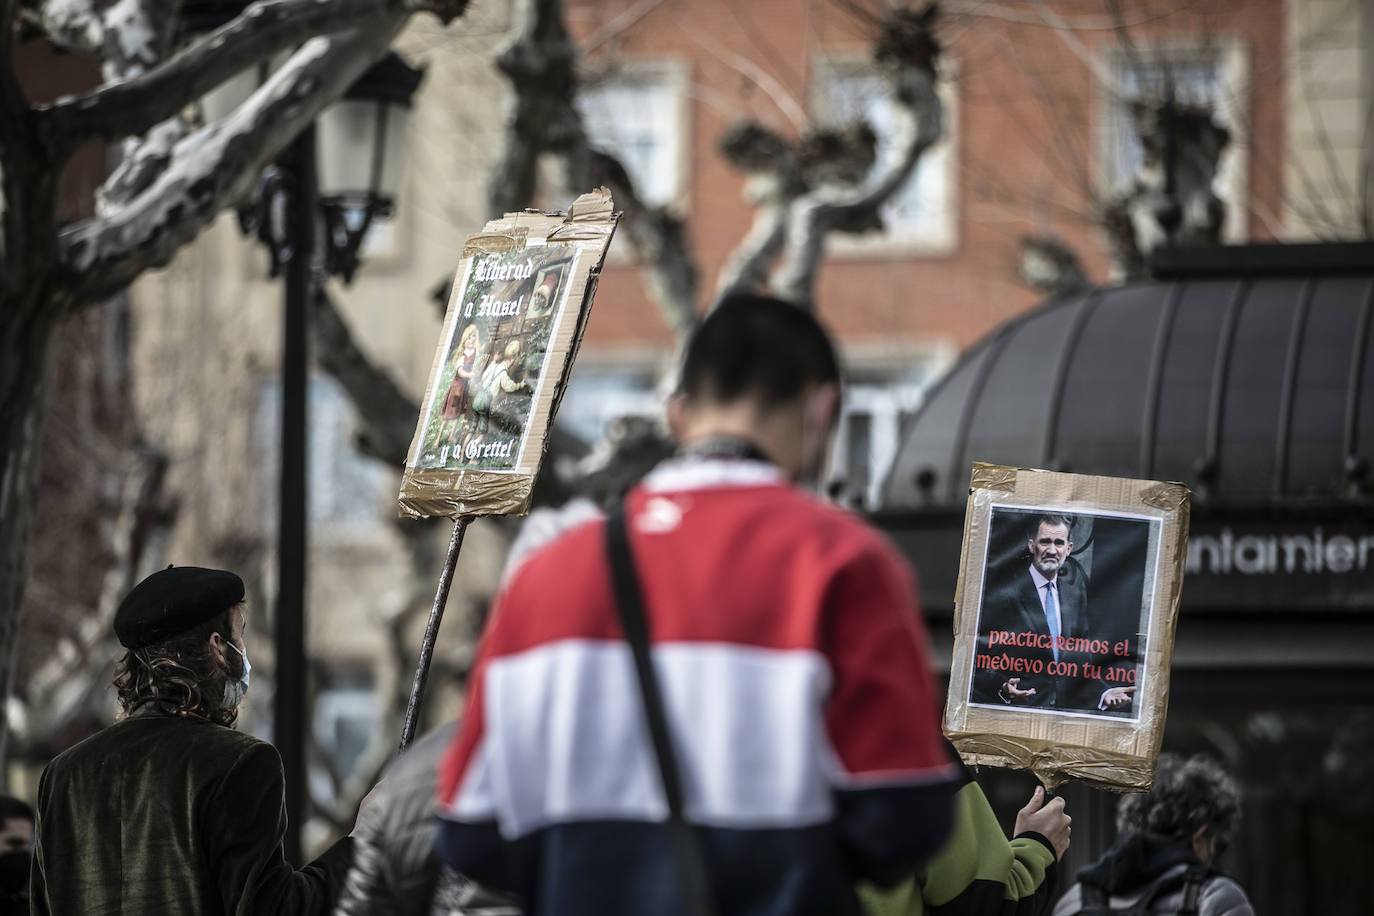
171 180
802 189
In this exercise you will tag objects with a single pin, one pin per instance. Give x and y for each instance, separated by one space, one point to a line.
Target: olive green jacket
175 816
978 871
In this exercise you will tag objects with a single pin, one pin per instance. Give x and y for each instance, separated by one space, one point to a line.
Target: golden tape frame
519 305
1137 532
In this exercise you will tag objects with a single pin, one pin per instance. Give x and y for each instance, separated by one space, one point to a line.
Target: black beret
172 601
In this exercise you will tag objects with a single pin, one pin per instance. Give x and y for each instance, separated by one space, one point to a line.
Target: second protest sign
1064 621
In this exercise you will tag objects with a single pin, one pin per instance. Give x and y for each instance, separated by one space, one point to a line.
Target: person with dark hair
1048 618
1167 841
170 810
16 853
797 695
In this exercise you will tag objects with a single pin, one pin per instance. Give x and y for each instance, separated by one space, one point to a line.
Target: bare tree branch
74 25
215 166
774 182
13 221
1340 189
9 12
137 36
658 236
1073 160
982 9
747 266
919 117
660 242
1050 267
386 413
618 25
1134 58
143 161
771 87
538 61
132 106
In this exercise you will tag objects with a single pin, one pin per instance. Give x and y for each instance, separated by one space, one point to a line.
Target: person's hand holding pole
1047 819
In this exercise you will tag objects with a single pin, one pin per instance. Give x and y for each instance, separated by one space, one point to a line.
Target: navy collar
734 447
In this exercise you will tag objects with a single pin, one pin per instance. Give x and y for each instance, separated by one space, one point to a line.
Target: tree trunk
27 331
29 318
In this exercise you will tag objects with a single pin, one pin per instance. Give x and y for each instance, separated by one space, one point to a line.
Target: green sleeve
977 871
246 823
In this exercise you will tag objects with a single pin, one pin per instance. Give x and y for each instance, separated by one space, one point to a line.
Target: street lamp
286 208
359 152
361 147
346 186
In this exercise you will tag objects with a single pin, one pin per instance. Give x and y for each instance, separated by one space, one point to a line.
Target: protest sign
1068 594
516 313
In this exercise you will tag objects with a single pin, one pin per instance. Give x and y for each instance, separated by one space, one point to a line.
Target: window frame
675 73
875 387
646 361
369 482
1233 66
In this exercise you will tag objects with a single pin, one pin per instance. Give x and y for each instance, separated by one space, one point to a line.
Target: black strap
1192 889
696 897
1095 902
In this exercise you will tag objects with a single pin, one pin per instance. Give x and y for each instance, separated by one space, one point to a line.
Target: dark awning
1247 373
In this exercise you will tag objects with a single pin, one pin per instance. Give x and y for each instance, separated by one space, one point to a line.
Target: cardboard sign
1064 620
517 311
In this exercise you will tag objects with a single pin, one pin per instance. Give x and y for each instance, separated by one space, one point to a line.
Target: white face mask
234 691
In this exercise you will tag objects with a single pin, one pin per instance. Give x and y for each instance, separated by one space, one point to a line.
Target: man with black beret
170 810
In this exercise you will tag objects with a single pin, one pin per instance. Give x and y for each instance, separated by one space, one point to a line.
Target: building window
599 394
921 214
344 719
1211 76
879 404
345 490
638 114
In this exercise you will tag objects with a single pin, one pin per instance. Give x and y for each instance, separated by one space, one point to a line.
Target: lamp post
362 144
341 174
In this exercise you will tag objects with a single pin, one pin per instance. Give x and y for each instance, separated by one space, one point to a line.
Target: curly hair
180 673
1188 793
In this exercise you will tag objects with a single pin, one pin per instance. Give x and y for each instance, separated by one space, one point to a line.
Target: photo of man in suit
1034 630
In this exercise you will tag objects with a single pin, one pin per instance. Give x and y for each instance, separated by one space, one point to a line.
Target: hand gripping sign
1064 623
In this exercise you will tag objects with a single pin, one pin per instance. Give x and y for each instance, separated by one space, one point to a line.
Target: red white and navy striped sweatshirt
796 677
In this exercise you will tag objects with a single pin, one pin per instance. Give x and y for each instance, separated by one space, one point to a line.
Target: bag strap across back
630 607
1095 901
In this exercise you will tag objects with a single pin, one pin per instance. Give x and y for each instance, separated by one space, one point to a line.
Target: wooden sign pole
436 615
